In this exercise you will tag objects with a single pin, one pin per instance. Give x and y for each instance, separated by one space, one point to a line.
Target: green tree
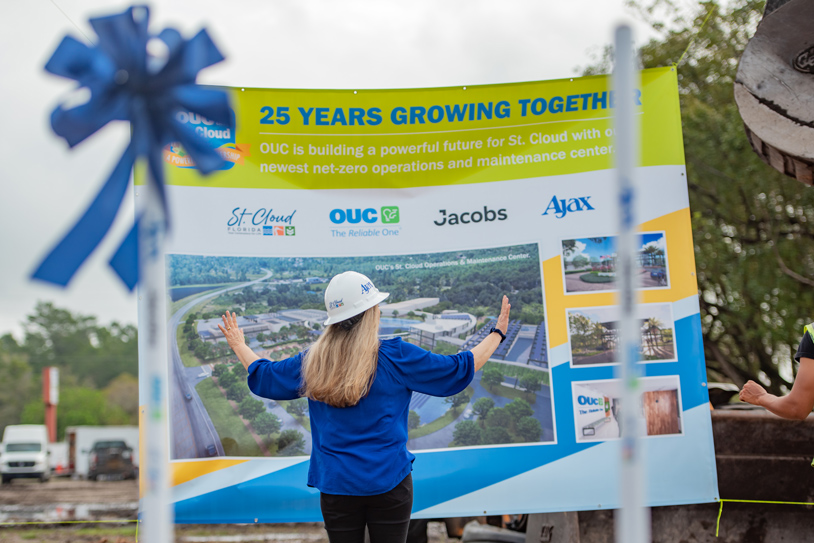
219 369
249 408
413 420
518 409
458 400
498 417
79 345
227 379
237 391
78 406
491 377
531 383
17 385
123 392
482 406
266 423
753 228
467 433
290 443
529 429
298 407
495 435
442 347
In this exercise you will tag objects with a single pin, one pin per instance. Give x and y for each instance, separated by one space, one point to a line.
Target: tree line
97 365
753 228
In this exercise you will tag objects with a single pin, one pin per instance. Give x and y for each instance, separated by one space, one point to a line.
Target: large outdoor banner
447 198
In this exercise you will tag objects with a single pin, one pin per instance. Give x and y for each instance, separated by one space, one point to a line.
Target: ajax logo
366 287
389 215
560 207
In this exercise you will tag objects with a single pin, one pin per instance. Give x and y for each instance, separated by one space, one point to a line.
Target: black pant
387 515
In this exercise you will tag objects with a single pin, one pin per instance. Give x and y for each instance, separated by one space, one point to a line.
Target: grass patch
587 353
305 421
594 277
447 419
61 534
227 422
512 393
187 358
173 307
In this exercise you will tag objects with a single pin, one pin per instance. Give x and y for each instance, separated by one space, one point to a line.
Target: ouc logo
586 400
388 214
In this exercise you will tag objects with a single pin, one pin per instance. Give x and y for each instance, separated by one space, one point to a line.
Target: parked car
24 453
112 459
81 438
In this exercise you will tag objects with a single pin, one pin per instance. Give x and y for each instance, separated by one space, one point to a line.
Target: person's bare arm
797 404
483 350
234 336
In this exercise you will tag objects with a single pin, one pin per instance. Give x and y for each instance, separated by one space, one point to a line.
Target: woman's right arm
234 336
486 348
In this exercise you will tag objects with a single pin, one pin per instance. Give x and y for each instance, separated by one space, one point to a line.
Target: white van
24 453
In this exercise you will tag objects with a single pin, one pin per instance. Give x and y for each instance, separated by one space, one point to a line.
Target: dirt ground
31 492
66 511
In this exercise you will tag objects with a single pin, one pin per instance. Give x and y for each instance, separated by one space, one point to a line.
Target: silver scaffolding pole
156 507
632 519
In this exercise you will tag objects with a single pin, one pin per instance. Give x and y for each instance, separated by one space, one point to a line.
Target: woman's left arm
234 336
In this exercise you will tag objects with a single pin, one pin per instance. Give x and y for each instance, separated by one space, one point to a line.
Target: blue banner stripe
441 476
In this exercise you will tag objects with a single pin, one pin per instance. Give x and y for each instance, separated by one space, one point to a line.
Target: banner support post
157 510
632 523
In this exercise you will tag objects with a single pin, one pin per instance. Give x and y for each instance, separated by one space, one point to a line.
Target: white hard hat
349 294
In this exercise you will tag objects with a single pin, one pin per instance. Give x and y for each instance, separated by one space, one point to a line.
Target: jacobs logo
487 215
561 207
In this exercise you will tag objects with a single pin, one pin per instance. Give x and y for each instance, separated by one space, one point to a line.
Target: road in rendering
192 430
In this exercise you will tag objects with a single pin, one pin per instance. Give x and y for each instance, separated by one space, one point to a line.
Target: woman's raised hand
503 319
233 334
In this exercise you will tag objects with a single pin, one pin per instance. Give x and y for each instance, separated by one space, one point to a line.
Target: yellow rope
721 508
712 9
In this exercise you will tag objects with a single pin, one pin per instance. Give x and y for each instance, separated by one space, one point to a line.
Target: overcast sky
268 43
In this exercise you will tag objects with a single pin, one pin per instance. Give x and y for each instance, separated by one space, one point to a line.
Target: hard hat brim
353 311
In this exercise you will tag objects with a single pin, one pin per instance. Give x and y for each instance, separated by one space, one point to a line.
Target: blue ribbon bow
125 85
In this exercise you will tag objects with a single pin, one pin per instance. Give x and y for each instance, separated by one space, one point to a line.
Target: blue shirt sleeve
276 380
430 373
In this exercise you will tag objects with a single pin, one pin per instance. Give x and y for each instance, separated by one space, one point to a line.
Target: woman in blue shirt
358 389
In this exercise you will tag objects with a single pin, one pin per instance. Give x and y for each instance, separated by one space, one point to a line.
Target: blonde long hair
339 368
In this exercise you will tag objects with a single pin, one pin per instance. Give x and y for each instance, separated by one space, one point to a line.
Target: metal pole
157 511
632 519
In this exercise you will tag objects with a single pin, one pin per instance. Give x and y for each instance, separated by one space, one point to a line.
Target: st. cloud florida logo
221 137
261 222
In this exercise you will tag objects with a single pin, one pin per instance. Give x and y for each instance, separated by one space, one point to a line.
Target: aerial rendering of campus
443 302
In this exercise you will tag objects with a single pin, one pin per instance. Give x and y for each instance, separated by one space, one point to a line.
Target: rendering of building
447 325
264 323
402 308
